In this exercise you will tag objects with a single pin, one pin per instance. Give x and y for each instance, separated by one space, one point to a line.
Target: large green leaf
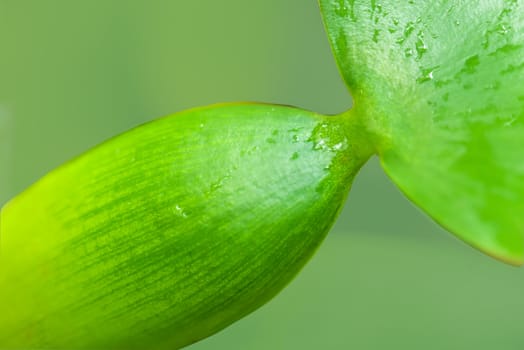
440 88
170 232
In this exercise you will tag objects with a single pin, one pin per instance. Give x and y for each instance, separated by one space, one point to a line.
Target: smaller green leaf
439 87
171 231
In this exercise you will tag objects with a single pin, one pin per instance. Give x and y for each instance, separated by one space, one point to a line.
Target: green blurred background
73 73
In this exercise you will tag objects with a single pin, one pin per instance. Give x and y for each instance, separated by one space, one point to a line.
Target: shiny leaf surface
439 86
171 231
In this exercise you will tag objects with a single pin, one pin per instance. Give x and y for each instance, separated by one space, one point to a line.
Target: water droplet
506 49
420 46
512 68
250 151
376 35
409 52
410 27
178 211
218 184
341 8
296 139
320 145
201 125
427 75
471 64
214 187
400 40
502 29
295 156
495 85
408 30
511 121
294 130
338 146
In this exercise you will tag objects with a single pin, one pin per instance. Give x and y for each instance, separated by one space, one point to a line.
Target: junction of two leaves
170 232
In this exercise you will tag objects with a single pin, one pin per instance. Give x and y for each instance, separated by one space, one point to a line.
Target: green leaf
171 231
439 87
